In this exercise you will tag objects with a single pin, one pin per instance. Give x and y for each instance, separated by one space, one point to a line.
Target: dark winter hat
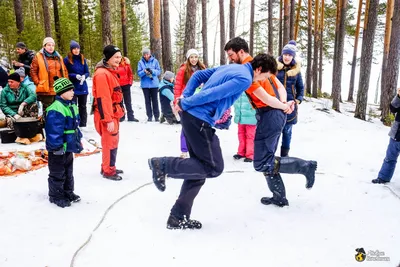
62 85
109 51
74 45
20 45
15 77
290 48
168 75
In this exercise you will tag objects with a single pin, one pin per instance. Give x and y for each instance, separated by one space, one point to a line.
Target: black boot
162 118
175 223
157 167
74 197
284 151
296 165
275 184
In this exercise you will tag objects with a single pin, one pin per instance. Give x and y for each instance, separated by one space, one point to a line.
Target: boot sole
312 169
156 183
268 201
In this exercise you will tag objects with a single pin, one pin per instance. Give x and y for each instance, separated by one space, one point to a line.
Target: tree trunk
280 45
57 26
321 45
296 26
292 19
337 73
166 42
190 26
19 17
105 22
366 58
286 22
46 17
156 52
385 95
252 6
232 19
392 73
123 28
270 29
81 23
335 47
222 60
204 31
309 51
354 62
151 23
316 47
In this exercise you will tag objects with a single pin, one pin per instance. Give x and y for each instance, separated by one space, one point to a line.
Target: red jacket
179 85
125 74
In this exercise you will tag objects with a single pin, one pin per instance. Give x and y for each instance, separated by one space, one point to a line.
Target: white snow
321 227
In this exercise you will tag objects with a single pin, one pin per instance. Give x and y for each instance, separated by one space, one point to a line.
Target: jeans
287 135
389 163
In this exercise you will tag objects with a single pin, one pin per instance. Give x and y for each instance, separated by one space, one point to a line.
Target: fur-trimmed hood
294 70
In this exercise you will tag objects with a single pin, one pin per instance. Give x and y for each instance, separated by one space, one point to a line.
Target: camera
149 73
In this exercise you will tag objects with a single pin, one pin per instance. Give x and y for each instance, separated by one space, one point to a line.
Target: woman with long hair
126 80
186 71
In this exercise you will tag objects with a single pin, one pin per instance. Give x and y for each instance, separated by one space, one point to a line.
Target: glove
78 77
59 152
21 109
83 78
16 117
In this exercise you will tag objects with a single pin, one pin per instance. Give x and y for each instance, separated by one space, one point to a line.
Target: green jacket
244 112
9 105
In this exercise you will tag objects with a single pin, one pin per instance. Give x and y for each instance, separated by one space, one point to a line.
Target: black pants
151 100
61 178
81 101
269 128
126 90
205 162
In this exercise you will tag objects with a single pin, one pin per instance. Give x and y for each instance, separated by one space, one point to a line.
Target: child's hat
62 85
168 75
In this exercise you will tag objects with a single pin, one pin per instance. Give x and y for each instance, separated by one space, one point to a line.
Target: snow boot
162 118
74 197
174 223
275 184
117 171
237 156
295 165
156 165
248 160
284 151
379 181
62 203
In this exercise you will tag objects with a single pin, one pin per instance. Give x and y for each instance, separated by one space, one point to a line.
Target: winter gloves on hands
15 117
21 109
81 78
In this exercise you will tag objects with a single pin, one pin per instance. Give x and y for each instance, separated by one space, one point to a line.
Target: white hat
191 52
48 40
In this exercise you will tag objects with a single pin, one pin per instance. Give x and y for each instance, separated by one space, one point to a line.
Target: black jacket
26 59
3 77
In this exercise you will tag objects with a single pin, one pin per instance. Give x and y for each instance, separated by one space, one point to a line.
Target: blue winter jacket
77 68
222 86
290 77
154 66
62 121
244 112
29 84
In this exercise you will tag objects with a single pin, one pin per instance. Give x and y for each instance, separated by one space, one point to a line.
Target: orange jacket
43 70
107 93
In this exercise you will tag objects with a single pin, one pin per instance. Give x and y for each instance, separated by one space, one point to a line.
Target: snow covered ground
321 227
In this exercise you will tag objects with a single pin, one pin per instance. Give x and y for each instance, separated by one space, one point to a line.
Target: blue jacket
244 112
290 77
154 66
77 68
29 84
222 86
61 126
166 90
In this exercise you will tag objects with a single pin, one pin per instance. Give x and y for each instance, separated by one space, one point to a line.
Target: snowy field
321 227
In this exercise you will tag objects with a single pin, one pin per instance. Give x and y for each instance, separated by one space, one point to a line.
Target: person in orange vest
47 64
108 109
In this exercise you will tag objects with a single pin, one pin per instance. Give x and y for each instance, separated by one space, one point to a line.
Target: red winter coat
179 85
125 73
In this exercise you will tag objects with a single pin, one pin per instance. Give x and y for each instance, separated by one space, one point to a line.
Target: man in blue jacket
222 87
148 71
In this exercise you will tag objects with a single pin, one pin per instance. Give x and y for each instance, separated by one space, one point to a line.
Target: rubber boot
284 151
295 165
277 187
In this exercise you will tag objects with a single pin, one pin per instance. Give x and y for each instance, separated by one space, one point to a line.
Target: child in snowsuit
63 138
166 91
245 117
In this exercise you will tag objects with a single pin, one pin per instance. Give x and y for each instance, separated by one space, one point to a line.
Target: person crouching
63 138
166 91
